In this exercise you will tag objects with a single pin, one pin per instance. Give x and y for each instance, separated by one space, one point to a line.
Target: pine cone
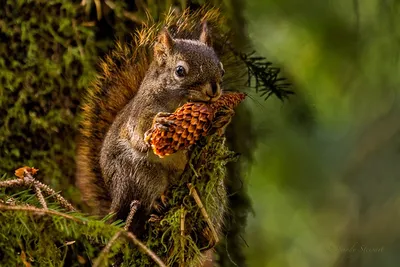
189 123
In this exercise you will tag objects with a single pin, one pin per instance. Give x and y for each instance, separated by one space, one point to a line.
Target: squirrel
115 166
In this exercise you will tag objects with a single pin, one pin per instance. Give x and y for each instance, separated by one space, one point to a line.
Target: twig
106 249
183 214
39 195
129 235
137 242
63 202
134 206
12 183
26 179
196 197
39 211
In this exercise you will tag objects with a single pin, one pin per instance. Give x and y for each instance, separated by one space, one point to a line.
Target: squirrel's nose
213 90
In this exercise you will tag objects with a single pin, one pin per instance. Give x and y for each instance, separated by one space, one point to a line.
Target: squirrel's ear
205 36
164 45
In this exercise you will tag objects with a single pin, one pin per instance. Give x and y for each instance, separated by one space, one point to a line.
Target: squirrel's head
190 66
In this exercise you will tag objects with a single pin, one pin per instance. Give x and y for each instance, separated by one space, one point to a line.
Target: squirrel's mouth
196 96
199 96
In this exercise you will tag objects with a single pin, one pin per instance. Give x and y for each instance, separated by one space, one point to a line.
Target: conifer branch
26 178
265 78
128 235
32 209
40 197
62 201
12 183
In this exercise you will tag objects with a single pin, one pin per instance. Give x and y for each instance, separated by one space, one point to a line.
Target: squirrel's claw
161 123
164 199
154 218
222 120
159 206
162 118
161 127
163 114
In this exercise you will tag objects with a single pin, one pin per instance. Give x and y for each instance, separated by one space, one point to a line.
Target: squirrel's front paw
222 119
161 123
162 119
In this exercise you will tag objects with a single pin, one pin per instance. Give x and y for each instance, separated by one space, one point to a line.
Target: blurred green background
324 183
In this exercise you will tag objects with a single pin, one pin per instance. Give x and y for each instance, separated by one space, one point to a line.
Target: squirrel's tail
117 83
114 87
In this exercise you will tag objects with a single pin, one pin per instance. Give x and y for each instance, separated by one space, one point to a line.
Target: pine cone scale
191 122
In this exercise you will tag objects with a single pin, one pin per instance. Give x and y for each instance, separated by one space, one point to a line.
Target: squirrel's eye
180 71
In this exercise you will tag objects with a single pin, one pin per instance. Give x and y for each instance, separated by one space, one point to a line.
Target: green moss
53 241
47 61
206 172
49 240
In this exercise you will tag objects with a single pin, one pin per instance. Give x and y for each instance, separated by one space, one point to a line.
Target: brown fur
114 164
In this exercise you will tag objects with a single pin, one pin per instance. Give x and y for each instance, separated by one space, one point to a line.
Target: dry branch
183 214
137 242
193 192
106 249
